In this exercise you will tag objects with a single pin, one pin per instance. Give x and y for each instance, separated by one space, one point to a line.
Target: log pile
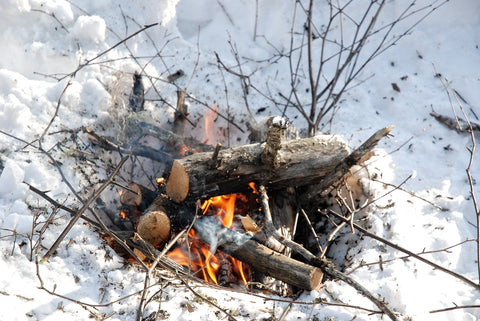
309 165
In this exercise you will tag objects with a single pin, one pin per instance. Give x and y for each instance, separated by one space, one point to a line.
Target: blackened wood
136 98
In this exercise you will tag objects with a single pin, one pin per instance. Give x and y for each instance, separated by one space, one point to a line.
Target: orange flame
253 187
123 215
197 255
209 120
225 205
183 150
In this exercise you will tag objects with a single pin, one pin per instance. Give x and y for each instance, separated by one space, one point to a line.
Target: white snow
42 41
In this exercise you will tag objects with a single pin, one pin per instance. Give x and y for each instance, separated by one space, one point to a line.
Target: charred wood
136 98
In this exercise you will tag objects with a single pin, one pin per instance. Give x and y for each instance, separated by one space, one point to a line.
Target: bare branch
83 209
410 253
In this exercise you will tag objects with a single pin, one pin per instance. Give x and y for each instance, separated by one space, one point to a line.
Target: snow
42 41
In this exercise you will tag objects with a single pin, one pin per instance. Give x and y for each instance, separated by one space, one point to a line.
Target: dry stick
456 307
446 249
313 84
312 230
58 205
149 274
230 316
443 209
83 209
244 79
88 61
51 14
326 266
54 115
401 249
471 150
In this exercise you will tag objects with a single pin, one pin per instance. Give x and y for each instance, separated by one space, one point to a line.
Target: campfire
240 232
229 215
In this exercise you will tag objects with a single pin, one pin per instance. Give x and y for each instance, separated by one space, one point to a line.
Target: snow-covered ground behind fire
44 38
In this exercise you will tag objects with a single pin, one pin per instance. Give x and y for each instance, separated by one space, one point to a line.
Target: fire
123 215
184 150
209 120
197 255
253 187
225 206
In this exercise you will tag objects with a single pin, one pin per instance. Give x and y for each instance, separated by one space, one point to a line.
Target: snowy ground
41 39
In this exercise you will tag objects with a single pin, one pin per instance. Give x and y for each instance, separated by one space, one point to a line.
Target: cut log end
154 228
178 185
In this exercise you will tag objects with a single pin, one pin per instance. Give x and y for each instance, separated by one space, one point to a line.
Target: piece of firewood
297 163
174 217
258 256
155 227
178 184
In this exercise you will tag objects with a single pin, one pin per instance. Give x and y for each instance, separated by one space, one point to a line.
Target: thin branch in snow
448 88
88 61
404 257
410 253
52 14
83 209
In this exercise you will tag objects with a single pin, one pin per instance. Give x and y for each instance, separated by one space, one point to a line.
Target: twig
230 316
83 209
446 249
471 150
410 253
149 274
256 21
88 61
312 230
54 115
456 307
51 14
443 209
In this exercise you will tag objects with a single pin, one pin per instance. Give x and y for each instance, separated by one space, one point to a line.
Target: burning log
258 256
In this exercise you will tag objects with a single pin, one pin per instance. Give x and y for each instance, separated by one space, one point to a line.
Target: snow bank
42 42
